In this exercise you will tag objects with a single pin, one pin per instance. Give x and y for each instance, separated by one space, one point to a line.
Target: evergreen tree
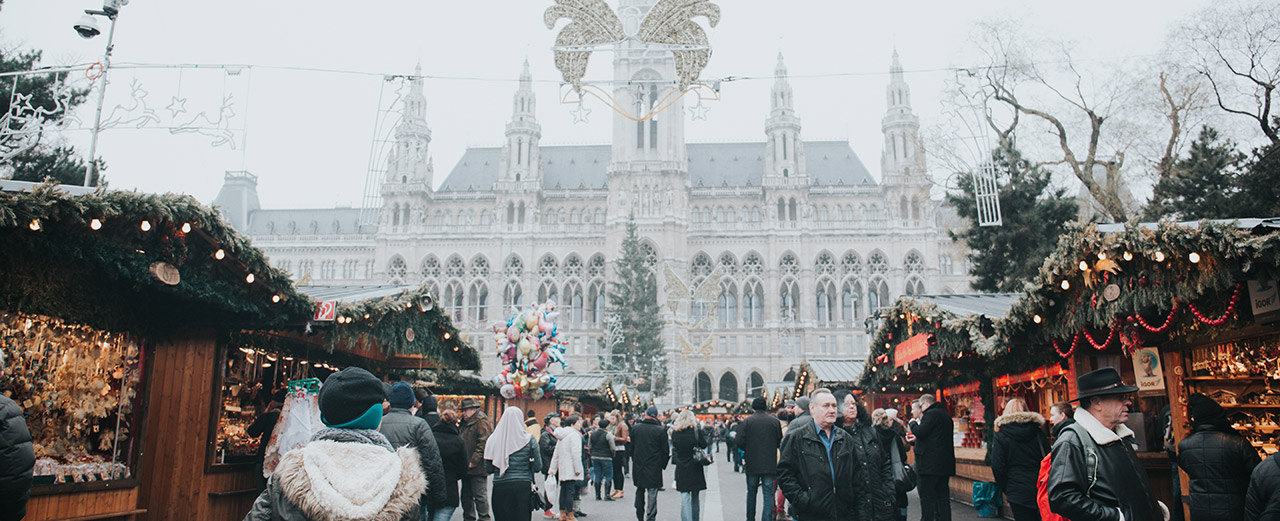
633 298
1202 185
1258 184
37 158
1004 257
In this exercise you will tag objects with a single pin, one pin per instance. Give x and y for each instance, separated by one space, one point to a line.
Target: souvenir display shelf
1244 377
76 386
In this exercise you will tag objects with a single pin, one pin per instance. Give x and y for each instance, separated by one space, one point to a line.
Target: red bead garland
1168 321
1067 354
1231 309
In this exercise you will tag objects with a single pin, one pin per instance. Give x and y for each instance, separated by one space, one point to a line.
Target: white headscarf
507 438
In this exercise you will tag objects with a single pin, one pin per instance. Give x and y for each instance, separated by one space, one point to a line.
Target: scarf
508 437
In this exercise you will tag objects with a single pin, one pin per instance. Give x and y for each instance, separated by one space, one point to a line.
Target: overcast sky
308 130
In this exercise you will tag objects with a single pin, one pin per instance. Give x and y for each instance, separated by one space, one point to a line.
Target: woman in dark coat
887 429
690 480
1017 447
1218 461
453 454
873 472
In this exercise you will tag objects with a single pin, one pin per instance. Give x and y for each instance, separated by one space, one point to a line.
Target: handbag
700 454
904 477
535 500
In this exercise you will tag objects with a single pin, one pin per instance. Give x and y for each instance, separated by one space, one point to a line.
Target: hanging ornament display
528 344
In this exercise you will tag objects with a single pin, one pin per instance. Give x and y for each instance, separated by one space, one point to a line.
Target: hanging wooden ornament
1111 292
166 273
409 334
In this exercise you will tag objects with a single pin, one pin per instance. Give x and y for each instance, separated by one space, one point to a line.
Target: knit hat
789 403
401 396
1204 410
604 424
759 404
429 403
651 411
351 399
803 403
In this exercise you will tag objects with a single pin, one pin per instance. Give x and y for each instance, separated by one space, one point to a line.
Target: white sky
309 133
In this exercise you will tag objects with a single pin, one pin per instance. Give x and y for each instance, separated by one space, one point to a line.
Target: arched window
728 304
782 209
788 265
595 267
548 267
729 388
395 215
397 269
825 264
573 266
453 299
702 387
480 268
755 385
514 268
701 266
851 264
513 296
850 302
826 295
520 213
877 295
511 212
596 303
752 265
791 209
547 291
914 263
878 265
478 298
431 268
788 297
915 286
728 265
573 298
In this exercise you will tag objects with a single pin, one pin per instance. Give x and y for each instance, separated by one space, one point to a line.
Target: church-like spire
784 151
781 87
898 92
902 153
410 159
521 159
523 104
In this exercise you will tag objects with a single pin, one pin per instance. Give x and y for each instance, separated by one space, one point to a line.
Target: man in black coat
816 470
1263 501
17 458
403 429
1094 473
1218 460
935 459
649 459
760 435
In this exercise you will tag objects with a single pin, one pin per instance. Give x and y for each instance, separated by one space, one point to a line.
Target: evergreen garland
389 319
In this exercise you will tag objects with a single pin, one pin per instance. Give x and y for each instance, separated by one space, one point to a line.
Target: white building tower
406 189
520 171
784 157
902 163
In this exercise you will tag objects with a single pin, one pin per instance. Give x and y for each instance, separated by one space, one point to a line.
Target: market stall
1177 308
832 374
585 393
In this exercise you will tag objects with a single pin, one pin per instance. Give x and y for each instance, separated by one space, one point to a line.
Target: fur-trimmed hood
1019 417
332 480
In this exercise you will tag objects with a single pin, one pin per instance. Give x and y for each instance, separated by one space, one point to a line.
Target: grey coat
406 430
17 459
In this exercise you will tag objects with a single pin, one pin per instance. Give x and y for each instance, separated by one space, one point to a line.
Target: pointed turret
784 151
520 162
410 161
902 155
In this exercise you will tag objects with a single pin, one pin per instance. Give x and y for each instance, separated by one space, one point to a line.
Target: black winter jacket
453 456
805 473
759 437
650 453
935 443
1263 500
890 441
1218 460
874 475
403 429
600 445
547 445
1017 447
17 459
1121 481
689 473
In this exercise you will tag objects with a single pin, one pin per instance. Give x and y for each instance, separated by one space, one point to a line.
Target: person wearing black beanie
759 437
428 407
351 457
1218 461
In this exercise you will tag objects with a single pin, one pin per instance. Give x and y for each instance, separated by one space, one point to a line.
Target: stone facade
808 242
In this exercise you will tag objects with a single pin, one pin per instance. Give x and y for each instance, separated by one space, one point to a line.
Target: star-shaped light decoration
580 114
699 112
177 106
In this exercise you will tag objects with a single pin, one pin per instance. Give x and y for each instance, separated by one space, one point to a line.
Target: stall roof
580 382
990 305
1257 225
352 293
837 370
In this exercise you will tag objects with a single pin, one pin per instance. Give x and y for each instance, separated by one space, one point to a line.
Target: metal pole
102 92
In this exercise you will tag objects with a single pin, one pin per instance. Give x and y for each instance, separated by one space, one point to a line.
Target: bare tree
1237 51
1074 107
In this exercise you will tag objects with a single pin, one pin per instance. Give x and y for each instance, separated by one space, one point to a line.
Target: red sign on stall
326 311
911 349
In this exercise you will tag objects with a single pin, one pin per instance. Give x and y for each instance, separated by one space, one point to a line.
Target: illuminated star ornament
699 112
580 114
177 106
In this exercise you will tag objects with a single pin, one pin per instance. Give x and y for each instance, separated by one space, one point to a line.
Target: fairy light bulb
1194 257
145 226
95 224
1084 266
1159 256
35 225
1037 319
447 335
220 254
1128 256
275 299
186 227
1066 284
249 278
1102 256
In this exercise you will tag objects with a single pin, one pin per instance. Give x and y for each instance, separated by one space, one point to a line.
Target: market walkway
725 500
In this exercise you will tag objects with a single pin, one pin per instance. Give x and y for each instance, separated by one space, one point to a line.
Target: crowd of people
387 453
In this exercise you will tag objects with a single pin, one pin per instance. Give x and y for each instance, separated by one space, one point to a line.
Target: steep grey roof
837 370
580 382
992 305
277 222
710 164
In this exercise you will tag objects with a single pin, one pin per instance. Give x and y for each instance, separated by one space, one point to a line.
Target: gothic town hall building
808 243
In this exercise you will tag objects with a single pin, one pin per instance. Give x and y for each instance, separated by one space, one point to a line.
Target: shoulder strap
1090 453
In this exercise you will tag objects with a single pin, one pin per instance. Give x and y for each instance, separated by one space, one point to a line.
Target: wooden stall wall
174 482
102 504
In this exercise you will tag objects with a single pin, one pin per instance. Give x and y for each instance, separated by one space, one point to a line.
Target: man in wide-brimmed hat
1094 472
475 432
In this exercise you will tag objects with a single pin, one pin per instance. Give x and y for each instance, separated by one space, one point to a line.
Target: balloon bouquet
527 345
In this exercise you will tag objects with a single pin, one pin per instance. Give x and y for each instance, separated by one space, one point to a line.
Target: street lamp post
88 28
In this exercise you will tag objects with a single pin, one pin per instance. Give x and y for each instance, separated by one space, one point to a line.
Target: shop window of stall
1239 375
248 375
78 388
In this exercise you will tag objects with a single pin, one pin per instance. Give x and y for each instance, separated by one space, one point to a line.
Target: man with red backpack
1094 473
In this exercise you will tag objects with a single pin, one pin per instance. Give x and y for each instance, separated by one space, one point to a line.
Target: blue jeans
440 514
602 470
689 506
754 482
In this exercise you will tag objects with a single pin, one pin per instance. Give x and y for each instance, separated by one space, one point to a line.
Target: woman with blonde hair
686 436
1017 447
621 435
